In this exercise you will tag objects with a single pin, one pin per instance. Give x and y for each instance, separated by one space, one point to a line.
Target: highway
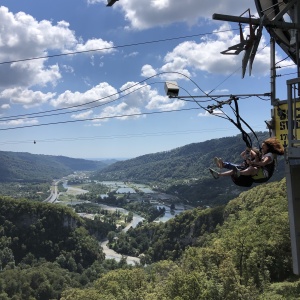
53 193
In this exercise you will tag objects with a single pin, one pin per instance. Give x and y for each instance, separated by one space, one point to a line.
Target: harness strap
245 135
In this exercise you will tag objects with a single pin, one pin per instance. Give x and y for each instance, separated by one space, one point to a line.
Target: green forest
236 251
234 243
244 253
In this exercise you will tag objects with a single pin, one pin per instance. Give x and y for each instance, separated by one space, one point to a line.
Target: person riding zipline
257 171
250 154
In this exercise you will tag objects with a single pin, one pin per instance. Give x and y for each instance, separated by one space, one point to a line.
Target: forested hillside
184 171
160 241
185 162
238 251
46 248
44 231
248 256
16 166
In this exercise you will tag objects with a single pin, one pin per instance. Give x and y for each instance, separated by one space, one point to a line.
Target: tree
129 217
110 236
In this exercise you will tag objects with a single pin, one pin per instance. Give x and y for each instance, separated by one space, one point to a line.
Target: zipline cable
137 135
99 118
120 116
113 47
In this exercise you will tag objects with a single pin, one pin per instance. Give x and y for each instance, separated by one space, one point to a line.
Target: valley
78 189
141 225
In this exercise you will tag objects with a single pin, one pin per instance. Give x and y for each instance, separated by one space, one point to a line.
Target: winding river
109 253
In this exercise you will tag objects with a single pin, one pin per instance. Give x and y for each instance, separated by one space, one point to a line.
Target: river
169 214
109 253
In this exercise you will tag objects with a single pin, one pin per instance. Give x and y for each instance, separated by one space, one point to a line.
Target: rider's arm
265 161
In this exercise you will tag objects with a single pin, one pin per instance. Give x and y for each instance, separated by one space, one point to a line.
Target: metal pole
273 72
290 114
297 21
228 95
266 22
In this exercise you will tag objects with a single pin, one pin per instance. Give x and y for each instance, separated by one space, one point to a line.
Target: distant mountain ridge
184 171
17 166
184 162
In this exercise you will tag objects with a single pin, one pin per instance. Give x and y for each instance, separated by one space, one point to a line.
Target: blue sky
71 104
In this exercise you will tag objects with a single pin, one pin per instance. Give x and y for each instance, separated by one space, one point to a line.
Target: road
53 194
111 254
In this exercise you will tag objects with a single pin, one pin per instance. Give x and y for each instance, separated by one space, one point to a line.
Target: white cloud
203 56
121 111
164 103
207 114
142 96
5 106
137 98
23 37
20 122
160 4
132 54
68 68
25 97
223 91
83 115
97 95
165 12
102 46
148 71
137 95
95 1
192 56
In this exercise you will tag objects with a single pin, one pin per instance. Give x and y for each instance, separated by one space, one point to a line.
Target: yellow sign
281 122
